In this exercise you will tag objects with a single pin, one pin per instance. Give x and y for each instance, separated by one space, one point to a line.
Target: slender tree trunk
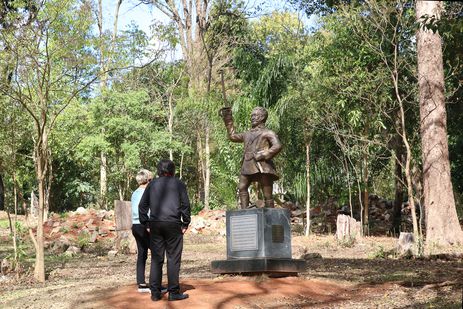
201 168
207 178
408 153
359 187
41 170
366 202
307 173
121 194
170 125
103 180
2 194
346 164
399 187
105 63
442 226
181 165
15 201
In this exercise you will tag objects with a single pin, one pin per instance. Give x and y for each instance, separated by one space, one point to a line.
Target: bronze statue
260 146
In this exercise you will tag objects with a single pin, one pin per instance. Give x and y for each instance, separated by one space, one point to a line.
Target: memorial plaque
278 234
243 232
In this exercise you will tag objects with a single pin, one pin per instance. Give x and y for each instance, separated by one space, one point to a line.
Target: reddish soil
235 293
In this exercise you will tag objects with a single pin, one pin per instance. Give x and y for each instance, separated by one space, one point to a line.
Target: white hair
143 176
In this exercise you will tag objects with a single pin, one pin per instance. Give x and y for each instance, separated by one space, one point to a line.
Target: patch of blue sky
145 15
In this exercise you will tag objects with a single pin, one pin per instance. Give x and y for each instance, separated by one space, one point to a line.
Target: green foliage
83 239
196 207
20 228
379 253
64 229
4 224
22 256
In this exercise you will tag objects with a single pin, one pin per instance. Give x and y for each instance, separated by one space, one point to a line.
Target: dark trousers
143 239
165 237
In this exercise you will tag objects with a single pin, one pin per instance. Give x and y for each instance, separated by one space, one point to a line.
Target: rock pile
380 210
69 231
210 222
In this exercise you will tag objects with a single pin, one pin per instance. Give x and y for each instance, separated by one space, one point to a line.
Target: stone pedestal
258 241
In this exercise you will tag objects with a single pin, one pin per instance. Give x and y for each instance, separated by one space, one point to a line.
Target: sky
143 15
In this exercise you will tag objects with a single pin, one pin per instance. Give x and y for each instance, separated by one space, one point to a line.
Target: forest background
83 107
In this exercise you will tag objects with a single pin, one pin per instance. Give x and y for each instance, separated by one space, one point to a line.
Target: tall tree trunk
403 132
181 166
366 202
201 168
399 186
41 171
207 159
103 180
170 125
307 173
346 166
2 194
442 226
105 63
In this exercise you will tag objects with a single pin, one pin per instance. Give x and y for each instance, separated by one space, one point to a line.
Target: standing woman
139 231
167 202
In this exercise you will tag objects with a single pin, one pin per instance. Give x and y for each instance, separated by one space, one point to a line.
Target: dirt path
239 293
336 277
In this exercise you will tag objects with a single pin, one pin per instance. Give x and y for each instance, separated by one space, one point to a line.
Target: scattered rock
72 250
5 266
60 245
81 211
94 236
112 253
101 215
406 246
55 230
103 231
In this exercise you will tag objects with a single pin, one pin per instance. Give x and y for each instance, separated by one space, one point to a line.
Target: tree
50 71
442 226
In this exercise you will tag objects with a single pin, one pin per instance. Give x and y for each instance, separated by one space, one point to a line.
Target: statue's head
258 116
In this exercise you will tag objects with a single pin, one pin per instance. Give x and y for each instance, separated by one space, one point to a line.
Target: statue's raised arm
227 116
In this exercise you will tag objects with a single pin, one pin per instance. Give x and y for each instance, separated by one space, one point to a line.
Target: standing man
260 146
167 201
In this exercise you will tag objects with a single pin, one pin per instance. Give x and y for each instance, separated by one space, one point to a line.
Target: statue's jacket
257 141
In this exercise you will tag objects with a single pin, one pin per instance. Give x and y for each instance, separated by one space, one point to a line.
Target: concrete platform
258 265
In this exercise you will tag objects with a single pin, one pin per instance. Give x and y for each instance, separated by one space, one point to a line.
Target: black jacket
167 200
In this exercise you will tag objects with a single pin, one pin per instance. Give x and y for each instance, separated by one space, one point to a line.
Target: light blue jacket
135 200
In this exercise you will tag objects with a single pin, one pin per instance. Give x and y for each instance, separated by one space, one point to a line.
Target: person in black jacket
167 200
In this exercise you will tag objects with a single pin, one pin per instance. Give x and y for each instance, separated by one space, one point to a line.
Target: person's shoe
156 296
163 290
143 288
177 296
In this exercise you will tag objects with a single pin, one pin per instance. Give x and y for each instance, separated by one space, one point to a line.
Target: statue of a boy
260 146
